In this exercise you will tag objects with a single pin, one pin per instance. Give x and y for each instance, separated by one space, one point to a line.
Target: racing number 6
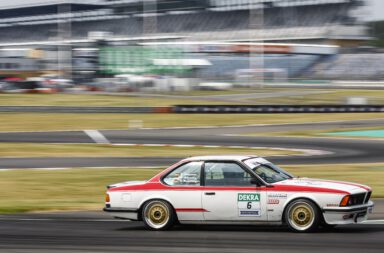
249 205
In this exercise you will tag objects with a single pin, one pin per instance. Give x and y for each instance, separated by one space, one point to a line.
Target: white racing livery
237 190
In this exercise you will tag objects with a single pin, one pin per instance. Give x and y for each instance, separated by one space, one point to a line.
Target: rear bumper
347 215
119 210
122 213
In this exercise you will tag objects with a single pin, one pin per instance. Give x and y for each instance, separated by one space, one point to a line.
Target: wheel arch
140 210
308 198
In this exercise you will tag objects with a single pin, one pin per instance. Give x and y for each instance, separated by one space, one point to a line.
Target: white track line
305 152
376 222
96 136
302 152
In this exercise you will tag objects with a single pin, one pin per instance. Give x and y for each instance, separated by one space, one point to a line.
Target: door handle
210 193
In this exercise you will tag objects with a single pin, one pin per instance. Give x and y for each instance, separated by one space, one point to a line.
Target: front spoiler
364 207
347 215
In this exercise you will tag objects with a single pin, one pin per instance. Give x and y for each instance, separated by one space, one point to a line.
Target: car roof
220 158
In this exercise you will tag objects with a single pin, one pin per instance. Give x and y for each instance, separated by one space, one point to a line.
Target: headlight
345 200
353 200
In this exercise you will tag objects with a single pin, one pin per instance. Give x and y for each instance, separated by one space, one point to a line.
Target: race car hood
126 184
325 184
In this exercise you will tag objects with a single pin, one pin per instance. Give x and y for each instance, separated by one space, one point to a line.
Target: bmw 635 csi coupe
237 190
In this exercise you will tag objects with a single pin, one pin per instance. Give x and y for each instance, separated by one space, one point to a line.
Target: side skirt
231 222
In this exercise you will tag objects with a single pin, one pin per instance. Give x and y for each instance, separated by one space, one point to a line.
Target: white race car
237 190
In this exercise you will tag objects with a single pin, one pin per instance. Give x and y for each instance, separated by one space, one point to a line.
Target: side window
185 175
226 174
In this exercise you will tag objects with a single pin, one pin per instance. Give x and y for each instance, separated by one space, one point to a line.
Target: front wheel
158 215
302 216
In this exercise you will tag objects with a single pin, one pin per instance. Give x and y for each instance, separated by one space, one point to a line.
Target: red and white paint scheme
237 190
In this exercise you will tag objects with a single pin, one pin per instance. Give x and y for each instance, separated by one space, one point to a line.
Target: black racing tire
302 216
158 215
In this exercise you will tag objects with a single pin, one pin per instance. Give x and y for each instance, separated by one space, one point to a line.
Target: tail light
107 198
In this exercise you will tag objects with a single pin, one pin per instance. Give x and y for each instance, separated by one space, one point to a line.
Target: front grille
368 197
356 199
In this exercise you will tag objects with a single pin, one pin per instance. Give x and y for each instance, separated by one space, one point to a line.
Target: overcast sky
6 3
377 9
374 12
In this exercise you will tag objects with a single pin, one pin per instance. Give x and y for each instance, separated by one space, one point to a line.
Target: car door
229 195
184 192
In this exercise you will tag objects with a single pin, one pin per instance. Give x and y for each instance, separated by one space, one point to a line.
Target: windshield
269 172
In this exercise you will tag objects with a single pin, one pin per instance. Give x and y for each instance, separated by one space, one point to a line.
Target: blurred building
65 30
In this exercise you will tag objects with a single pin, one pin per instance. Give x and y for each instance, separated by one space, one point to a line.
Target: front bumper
347 215
122 213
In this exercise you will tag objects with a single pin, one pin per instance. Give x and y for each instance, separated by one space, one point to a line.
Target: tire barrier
268 109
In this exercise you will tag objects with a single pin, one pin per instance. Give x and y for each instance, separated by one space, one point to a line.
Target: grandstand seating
291 21
351 67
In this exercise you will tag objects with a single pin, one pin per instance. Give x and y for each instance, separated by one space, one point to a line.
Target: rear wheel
158 215
302 216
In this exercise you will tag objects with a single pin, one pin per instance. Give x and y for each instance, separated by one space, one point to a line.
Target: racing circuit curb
209 109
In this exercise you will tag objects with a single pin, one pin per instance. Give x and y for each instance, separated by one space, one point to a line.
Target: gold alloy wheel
157 214
301 216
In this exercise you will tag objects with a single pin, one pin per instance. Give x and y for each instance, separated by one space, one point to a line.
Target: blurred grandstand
195 20
48 24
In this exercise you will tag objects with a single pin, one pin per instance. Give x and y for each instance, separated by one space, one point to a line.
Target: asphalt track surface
97 232
338 150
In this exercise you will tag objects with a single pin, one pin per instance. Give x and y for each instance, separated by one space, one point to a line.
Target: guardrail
204 109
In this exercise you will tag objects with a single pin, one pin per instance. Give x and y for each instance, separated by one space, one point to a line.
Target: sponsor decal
249 204
273 201
273 49
306 181
278 195
248 197
249 213
332 205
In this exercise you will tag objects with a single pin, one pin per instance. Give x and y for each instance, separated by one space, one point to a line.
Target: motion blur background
98 84
92 93
162 46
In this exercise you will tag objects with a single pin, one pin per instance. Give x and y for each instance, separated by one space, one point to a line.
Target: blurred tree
377 29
